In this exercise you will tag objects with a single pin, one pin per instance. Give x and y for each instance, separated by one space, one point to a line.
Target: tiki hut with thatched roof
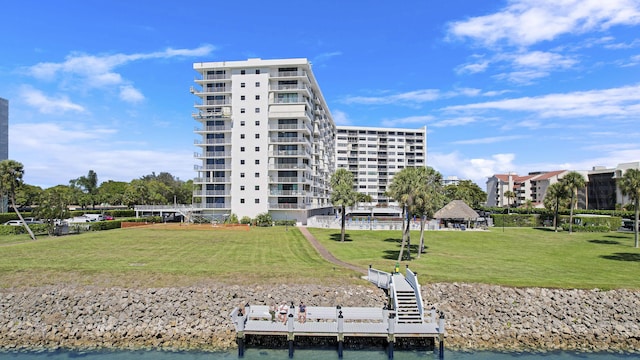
455 214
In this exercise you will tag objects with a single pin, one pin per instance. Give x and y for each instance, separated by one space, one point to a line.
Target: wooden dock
406 318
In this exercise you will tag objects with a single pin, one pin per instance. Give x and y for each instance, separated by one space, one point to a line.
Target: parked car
31 220
14 223
108 217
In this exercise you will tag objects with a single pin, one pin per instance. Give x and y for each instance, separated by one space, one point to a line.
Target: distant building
374 155
601 191
4 129
450 180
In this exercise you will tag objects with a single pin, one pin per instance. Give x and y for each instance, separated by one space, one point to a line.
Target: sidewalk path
326 254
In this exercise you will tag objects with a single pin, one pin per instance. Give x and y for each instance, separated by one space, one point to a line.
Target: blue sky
520 85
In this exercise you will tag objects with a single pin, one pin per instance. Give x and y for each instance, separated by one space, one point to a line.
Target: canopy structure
456 212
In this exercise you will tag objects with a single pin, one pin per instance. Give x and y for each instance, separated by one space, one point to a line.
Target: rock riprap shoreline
477 316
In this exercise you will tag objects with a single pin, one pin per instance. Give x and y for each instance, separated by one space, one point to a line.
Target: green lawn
156 256
159 257
515 257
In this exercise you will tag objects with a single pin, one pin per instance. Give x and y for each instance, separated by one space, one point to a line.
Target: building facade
4 129
267 140
532 186
374 155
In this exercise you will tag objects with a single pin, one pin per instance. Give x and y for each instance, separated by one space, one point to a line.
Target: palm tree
404 189
553 198
11 173
573 181
630 185
510 195
429 199
342 194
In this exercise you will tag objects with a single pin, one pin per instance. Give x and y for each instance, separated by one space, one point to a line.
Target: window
241 148
241 162
241 136
242 72
241 187
257 201
257 122
257 187
257 162
241 201
257 110
242 175
257 175
242 110
241 97
242 123
257 71
257 136
257 148
257 83
257 97
242 85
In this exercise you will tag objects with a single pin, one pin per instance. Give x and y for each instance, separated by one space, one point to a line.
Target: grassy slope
515 257
158 256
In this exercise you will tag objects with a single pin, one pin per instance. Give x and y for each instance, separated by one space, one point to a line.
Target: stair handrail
412 279
381 278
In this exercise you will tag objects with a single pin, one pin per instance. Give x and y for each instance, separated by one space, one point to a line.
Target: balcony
281 140
298 73
304 153
212 193
289 167
292 180
287 192
212 167
212 128
212 142
212 102
212 180
287 206
206 77
212 154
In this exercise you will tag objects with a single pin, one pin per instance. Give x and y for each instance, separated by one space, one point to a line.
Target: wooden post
391 338
441 335
240 336
291 336
340 333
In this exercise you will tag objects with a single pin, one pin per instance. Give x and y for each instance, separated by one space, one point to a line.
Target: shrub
264 220
285 223
245 220
105 225
514 220
588 228
233 219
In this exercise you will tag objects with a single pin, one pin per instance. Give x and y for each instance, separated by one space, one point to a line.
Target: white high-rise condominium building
267 140
374 155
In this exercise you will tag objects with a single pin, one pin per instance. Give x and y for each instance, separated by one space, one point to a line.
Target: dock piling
340 332
391 338
240 334
441 335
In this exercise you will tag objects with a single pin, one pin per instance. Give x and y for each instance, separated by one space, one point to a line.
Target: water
257 354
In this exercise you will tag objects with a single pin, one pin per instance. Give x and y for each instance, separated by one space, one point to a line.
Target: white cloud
98 71
489 140
458 121
48 105
340 117
614 102
527 22
130 94
77 148
419 121
474 169
410 97
473 68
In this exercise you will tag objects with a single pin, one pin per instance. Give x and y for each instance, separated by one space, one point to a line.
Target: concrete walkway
326 254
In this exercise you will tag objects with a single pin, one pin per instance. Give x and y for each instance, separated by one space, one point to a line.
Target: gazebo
456 214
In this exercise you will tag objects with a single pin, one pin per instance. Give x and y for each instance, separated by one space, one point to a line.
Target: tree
630 186
510 195
112 192
27 195
573 181
11 173
89 185
53 204
429 198
405 189
467 191
342 194
555 197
